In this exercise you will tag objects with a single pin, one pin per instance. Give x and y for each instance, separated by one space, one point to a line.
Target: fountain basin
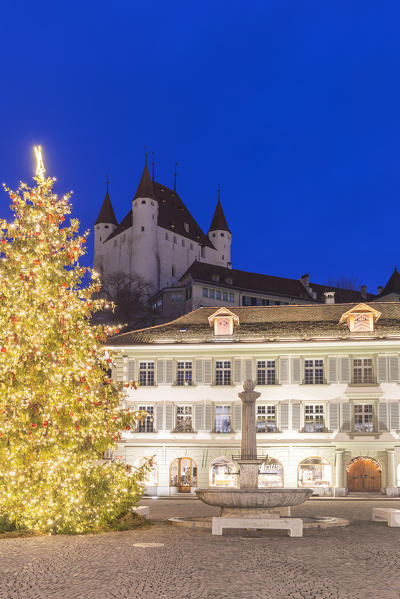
230 497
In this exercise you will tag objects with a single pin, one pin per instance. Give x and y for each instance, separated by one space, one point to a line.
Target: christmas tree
59 410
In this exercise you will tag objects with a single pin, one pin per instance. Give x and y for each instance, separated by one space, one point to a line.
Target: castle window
142 229
173 270
174 239
166 236
152 203
222 235
99 238
191 246
183 243
143 201
223 257
106 226
213 234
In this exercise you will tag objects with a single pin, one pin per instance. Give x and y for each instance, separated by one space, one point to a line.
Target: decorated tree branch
59 409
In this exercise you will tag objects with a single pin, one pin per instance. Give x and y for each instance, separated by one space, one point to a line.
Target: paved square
165 562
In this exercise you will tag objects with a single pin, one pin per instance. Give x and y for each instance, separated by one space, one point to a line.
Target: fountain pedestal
250 506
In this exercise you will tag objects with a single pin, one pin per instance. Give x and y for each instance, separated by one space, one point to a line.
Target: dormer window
215 278
223 321
361 318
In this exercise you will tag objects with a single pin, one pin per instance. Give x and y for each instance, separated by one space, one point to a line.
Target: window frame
186 415
267 369
230 414
314 379
185 370
223 369
147 371
365 381
269 410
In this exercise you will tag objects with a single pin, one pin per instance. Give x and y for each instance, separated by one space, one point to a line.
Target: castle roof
218 222
393 284
106 214
267 284
172 216
145 188
265 324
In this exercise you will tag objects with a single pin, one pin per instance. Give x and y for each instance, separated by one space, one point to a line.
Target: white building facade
329 410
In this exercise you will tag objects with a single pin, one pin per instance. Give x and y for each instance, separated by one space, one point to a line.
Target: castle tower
145 257
220 235
105 224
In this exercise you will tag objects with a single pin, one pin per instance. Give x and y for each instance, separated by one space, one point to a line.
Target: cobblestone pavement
356 562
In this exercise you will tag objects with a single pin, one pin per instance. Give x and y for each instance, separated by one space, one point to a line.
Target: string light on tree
59 410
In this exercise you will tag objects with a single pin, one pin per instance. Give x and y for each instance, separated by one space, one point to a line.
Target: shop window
222 419
270 473
147 424
314 472
266 419
363 418
146 374
314 418
183 474
223 473
183 422
151 476
363 372
266 372
184 373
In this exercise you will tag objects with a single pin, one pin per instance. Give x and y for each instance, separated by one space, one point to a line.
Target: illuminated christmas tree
59 410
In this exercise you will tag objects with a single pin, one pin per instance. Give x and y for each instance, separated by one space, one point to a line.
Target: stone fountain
249 506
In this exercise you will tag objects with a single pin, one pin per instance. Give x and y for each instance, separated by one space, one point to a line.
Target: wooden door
185 475
363 476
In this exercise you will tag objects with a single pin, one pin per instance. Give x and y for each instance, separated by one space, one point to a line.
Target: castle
160 241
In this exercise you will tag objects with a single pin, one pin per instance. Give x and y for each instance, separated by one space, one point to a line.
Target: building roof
393 284
172 215
265 284
218 222
106 214
145 187
268 324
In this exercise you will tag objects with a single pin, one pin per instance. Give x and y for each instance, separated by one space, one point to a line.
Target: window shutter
394 416
332 374
283 371
237 417
132 370
199 371
169 372
345 417
295 416
237 371
344 373
169 417
296 371
383 416
198 417
120 370
382 374
333 416
208 371
113 372
160 374
159 417
208 417
249 369
394 369
284 416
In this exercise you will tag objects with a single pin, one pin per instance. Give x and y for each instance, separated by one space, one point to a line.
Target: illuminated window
266 419
222 419
314 472
364 418
314 418
183 419
223 473
270 473
184 373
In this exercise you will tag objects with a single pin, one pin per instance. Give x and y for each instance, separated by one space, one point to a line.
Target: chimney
380 289
363 291
329 297
305 279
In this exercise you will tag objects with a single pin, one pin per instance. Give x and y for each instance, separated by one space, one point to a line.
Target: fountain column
249 464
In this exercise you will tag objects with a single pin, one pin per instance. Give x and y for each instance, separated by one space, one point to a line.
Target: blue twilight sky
292 106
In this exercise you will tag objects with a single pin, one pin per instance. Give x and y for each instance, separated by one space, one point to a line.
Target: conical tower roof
106 214
145 188
218 222
393 284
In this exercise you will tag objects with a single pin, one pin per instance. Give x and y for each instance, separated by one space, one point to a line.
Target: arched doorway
183 474
270 473
364 475
223 473
314 472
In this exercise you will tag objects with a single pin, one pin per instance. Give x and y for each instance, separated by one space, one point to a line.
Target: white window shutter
295 416
237 417
199 371
346 425
237 371
198 417
208 371
333 416
132 370
332 374
160 374
113 372
169 372
283 370
344 370
159 424
169 417
208 417
383 416
120 370
248 370
284 416
296 371
382 371
394 416
394 369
